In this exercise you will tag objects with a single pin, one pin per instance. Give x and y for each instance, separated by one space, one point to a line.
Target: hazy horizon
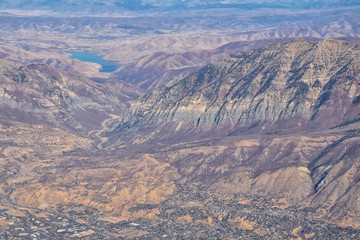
116 6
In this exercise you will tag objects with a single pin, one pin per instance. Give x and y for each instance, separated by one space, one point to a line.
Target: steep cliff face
299 84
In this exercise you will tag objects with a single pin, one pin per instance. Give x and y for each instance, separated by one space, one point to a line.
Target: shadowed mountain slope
294 86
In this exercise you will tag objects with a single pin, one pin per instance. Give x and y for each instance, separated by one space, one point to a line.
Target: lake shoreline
106 66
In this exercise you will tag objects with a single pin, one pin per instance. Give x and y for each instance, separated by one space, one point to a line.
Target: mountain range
277 121
225 119
263 144
155 5
298 80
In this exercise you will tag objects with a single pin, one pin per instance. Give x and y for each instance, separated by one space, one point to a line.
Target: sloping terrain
153 70
263 145
315 85
278 122
38 93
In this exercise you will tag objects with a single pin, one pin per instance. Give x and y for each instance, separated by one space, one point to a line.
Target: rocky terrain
263 145
282 116
38 93
307 83
192 137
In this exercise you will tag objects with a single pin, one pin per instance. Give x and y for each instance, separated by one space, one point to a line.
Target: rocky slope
280 122
294 86
263 145
38 93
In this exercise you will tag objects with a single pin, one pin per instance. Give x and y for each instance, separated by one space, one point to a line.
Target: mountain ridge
159 171
277 122
226 93
42 94
169 5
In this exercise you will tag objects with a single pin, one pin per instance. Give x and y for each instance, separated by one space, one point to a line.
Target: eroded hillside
262 145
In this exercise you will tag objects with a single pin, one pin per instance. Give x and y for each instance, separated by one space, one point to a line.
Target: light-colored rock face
300 80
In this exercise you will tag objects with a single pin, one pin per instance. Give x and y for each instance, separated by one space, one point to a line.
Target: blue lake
107 66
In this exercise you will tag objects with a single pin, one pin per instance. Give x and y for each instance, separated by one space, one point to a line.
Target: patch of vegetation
140 207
